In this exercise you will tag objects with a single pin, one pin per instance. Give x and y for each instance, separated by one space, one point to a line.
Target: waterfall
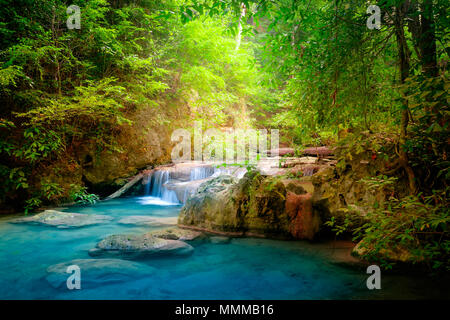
200 173
165 186
237 172
308 171
148 183
186 195
156 187
158 180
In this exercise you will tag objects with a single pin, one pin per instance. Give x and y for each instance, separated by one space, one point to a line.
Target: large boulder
98 272
256 205
62 219
139 247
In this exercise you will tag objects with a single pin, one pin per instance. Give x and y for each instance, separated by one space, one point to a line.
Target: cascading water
186 195
158 180
308 171
166 188
147 184
200 173
155 187
232 171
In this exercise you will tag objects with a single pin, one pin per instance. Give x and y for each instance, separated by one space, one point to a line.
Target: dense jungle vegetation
312 69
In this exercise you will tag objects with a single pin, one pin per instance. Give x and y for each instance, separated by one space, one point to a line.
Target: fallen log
126 187
281 152
319 151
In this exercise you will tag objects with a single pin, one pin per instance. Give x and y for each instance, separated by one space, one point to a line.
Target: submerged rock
98 272
139 247
176 234
149 221
219 240
62 219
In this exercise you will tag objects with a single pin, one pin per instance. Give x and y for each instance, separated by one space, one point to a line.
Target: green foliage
382 182
9 75
80 195
415 227
67 90
309 68
247 165
32 203
217 80
430 133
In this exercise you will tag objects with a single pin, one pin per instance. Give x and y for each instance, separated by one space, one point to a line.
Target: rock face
139 247
98 272
397 254
256 205
62 219
338 191
143 143
304 223
149 221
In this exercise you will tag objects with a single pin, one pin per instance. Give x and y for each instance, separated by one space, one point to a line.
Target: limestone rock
176 234
292 162
62 219
113 165
139 247
305 221
255 206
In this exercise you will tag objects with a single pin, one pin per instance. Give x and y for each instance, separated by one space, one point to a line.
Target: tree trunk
427 40
239 35
403 53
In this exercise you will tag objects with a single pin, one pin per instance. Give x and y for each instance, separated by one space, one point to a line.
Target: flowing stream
244 268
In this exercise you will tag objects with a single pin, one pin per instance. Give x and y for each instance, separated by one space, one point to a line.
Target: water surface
242 269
